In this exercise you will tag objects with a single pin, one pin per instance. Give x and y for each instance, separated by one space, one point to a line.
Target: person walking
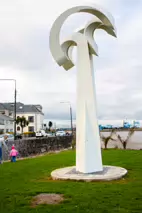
13 154
2 144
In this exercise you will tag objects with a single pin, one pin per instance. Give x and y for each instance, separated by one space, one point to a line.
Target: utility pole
71 119
67 102
15 97
55 128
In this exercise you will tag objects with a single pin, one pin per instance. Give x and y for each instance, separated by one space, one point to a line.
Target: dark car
18 136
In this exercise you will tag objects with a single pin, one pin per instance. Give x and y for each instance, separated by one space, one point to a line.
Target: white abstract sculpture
88 147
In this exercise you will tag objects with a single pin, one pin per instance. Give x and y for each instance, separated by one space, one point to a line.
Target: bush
11 133
29 134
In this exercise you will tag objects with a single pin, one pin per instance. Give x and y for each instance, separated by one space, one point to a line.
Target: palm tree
125 141
22 122
50 124
108 138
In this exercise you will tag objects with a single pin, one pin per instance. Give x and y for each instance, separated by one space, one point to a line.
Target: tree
125 141
22 122
108 138
50 124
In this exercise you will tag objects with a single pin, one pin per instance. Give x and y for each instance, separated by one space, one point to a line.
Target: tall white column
88 150
88 147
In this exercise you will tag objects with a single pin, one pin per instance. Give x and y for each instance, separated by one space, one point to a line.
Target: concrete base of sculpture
69 173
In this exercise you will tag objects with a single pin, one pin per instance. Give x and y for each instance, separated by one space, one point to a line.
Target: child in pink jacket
13 154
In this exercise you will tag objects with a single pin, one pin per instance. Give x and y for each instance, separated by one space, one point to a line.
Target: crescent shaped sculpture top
57 50
88 32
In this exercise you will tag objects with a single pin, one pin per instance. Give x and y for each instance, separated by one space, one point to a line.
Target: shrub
29 134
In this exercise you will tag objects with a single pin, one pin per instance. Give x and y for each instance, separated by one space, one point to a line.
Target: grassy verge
21 181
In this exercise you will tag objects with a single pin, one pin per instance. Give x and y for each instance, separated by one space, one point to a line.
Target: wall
37 146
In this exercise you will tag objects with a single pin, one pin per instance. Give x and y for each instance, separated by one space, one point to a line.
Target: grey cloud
55 113
118 68
32 52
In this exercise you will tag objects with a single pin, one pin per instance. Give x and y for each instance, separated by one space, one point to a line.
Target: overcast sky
24 55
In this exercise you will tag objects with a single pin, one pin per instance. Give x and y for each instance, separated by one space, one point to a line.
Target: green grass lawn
21 181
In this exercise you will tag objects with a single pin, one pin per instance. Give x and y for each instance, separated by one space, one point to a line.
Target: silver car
60 133
10 137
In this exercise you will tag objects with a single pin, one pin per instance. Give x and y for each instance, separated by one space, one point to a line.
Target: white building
32 113
6 124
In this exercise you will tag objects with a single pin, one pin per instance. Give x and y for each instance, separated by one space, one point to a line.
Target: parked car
68 134
1 137
50 134
41 133
18 136
10 137
60 133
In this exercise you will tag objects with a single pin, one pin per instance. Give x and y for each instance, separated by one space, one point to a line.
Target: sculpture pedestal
69 173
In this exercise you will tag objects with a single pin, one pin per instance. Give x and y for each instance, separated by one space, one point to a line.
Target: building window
1 122
31 128
18 128
31 119
1 131
7 130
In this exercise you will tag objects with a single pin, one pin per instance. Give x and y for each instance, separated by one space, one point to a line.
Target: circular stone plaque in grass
69 173
47 199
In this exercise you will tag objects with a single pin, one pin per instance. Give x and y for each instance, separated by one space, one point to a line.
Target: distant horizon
66 123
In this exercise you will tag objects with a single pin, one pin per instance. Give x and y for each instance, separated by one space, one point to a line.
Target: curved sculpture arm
89 32
77 39
56 50
93 25
67 48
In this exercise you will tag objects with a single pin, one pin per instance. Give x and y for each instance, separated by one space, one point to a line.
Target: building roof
2 107
22 108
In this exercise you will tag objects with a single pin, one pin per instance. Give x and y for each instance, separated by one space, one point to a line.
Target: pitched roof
22 108
2 107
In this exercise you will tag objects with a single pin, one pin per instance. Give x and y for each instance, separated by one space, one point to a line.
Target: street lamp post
67 102
15 95
55 128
